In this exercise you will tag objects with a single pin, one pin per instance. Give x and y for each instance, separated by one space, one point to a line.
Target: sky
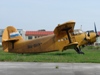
47 14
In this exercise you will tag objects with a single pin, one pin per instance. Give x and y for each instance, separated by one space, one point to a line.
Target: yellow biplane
62 39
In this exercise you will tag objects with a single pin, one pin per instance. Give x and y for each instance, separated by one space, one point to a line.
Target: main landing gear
78 50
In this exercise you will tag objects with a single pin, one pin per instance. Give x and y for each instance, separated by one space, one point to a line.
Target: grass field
92 55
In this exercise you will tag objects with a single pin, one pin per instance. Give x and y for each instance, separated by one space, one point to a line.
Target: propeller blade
95 30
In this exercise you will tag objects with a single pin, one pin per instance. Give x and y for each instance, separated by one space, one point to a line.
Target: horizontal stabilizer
8 40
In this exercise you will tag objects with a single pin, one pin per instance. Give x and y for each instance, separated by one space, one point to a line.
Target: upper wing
60 30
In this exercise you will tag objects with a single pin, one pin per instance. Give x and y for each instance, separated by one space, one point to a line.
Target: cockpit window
78 31
90 31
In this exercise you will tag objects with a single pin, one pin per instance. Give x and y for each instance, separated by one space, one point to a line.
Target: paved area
26 68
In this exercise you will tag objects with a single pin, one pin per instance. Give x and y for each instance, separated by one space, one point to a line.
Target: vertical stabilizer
9 37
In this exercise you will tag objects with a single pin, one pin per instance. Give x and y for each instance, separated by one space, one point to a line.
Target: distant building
1 31
36 34
98 39
22 33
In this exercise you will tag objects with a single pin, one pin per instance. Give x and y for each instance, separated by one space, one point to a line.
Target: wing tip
70 21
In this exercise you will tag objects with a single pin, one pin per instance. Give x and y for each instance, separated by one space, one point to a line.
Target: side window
35 36
58 40
64 39
29 37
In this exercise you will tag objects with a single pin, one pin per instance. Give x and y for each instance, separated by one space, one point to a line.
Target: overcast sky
47 14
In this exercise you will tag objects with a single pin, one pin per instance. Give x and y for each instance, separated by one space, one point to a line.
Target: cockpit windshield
78 31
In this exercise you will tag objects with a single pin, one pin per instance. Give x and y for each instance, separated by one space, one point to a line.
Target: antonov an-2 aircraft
62 39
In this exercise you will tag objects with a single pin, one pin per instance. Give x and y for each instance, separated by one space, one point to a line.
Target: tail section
9 37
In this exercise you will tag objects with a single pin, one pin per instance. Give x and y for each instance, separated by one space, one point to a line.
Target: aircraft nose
93 37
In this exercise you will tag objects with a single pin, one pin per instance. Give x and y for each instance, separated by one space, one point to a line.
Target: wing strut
78 50
69 38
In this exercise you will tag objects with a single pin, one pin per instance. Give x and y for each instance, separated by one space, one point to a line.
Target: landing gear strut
78 50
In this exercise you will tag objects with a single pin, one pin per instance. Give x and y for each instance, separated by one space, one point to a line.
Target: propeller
91 37
95 30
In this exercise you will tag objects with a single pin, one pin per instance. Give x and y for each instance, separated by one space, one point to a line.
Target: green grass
92 55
